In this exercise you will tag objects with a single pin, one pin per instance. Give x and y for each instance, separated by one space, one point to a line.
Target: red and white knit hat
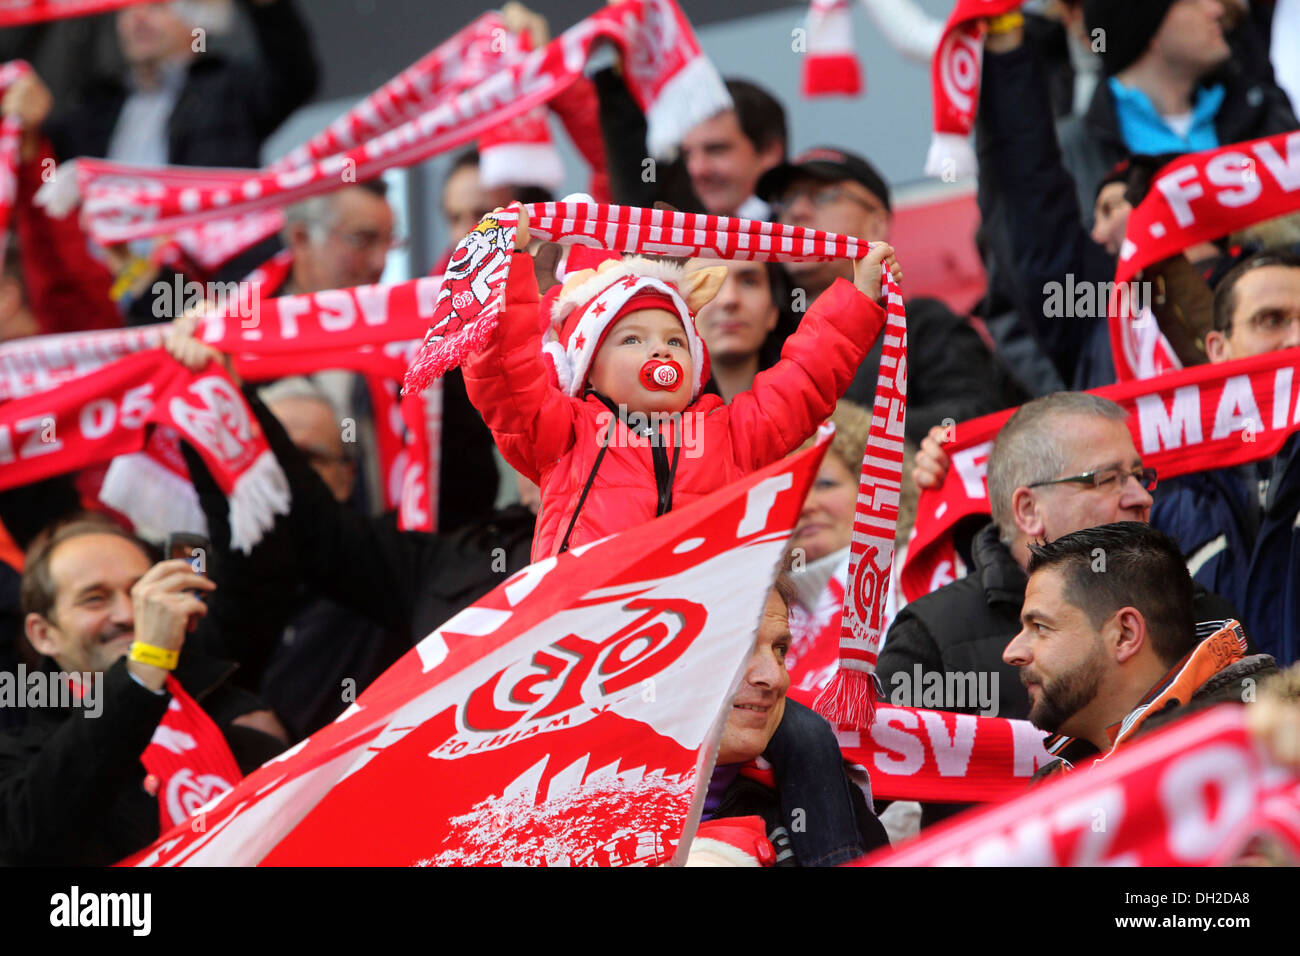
592 300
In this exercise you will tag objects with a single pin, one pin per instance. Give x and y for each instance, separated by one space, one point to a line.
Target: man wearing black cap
1172 87
951 373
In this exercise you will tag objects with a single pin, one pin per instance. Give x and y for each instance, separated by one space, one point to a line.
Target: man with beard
1109 644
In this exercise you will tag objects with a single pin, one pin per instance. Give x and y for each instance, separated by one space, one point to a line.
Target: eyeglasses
364 240
1101 477
821 195
1273 321
318 458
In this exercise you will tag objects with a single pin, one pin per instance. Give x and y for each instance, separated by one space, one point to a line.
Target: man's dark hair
378 186
1225 293
468 157
1126 564
760 114
784 588
522 193
37 589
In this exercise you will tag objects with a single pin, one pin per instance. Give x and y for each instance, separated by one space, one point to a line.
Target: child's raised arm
509 382
817 365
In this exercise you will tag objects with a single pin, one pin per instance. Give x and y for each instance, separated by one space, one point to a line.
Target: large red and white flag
1193 794
569 718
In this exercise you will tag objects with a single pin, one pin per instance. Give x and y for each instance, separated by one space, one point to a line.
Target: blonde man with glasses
951 372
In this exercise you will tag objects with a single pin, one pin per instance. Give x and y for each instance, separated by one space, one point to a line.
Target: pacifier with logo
661 376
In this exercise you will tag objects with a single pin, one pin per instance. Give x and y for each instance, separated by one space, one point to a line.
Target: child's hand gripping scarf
465 316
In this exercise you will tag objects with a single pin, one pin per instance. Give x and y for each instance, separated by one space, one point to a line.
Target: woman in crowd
745 326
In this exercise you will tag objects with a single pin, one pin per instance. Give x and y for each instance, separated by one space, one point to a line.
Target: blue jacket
1247 553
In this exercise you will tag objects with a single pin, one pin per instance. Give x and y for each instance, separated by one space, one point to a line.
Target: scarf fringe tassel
260 493
950 157
848 702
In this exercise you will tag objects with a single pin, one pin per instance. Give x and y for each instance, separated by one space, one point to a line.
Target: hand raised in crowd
521 231
519 19
30 100
1005 33
866 271
186 347
932 462
166 609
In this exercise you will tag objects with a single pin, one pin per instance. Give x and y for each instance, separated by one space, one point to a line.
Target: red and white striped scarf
466 58
850 699
664 68
1196 198
471 299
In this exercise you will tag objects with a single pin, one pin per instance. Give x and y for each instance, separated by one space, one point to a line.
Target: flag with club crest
570 717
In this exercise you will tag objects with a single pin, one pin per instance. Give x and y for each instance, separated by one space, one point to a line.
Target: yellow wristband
1007 22
154 656
128 277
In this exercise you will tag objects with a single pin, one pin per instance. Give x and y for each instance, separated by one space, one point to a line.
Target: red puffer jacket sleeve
798 393
511 385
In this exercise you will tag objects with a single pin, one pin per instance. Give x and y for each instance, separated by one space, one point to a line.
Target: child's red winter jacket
555 440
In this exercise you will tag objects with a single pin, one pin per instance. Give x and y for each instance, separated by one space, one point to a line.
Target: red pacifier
661 376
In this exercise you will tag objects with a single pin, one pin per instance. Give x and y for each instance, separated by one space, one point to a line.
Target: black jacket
1034 224
623 128
745 797
225 110
72 787
406 582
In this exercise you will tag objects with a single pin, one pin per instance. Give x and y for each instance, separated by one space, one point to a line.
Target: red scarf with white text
1191 794
1196 198
1197 419
371 330
106 414
188 759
